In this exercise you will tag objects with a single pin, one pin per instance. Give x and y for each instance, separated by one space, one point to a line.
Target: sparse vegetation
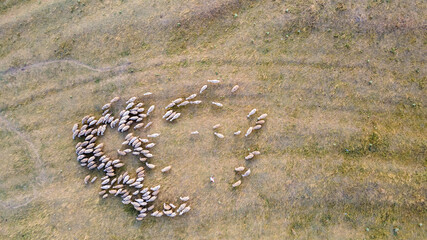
343 152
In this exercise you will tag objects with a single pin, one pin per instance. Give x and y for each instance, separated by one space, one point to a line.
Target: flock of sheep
129 186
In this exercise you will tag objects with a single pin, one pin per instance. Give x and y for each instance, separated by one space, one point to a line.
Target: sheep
106 106
246 173
256 127
148 125
203 89
167 114
236 184
252 112
166 169
150 109
154 135
149 165
132 99
235 88
219 135
170 105
249 156
86 179
239 169
130 105
217 104
263 116
260 122
115 99
214 81
175 116
178 100
183 103
184 199
191 96
249 131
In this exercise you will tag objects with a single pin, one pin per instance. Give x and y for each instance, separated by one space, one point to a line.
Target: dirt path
13 70
40 179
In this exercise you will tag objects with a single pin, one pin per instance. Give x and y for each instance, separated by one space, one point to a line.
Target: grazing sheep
171 116
114 123
185 210
195 102
184 199
75 134
175 117
181 207
260 122
130 105
170 105
263 116
246 173
219 135
166 169
115 99
148 125
85 118
256 127
154 135
235 88
249 131
214 81
150 109
86 179
90 153
178 100
132 99
191 96
106 106
236 184
239 169
250 156
149 165
203 88
217 104
167 114
183 103
139 105
90 119
256 152
166 206
140 169
252 112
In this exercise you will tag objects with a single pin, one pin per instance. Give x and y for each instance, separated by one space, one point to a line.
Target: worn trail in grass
343 150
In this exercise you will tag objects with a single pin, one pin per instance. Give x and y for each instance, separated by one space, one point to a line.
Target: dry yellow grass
343 149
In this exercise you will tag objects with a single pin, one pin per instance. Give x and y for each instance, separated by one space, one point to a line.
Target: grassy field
343 83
